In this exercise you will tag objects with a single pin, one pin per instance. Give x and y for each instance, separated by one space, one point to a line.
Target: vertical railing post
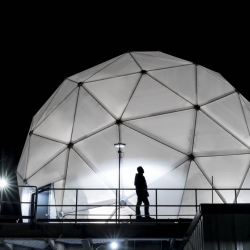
156 204
35 210
116 206
1 199
76 205
196 199
212 190
235 196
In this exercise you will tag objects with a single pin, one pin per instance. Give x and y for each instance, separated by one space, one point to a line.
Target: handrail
34 190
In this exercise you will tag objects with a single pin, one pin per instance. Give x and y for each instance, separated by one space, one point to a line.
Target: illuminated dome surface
182 122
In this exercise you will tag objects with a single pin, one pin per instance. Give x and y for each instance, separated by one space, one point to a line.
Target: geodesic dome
182 122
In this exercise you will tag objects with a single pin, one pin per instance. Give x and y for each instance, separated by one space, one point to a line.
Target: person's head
140 170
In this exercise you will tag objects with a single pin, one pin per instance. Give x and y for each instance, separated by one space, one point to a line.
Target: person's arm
135 182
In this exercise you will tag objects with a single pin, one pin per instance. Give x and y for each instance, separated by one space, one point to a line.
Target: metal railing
78 210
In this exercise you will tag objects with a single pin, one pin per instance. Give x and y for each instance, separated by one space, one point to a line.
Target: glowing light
114 245
3 183
120 145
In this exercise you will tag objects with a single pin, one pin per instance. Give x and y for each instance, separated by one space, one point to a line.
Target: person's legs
138 204
146 204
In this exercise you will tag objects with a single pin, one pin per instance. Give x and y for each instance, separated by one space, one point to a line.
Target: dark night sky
42 46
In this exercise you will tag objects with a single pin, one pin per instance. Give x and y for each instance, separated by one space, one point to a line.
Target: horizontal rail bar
114 220
172 189
115 205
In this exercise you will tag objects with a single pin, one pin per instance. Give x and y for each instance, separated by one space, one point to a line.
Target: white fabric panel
212 139
196 179
244 195
228 113
80 175
163 55
53 208
151 97
246 101
210 87
150 63
174 179
82 76
227 171
58 125
26 197
246 112
59 194
182 80
21 169
218 75
39 114
66 88
51 172
100 213
156 158
41 152
100 154
114 93
90 116
174 129
125 213
20 183
123 66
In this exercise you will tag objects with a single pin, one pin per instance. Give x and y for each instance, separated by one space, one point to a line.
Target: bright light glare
3 183
114 245
120 145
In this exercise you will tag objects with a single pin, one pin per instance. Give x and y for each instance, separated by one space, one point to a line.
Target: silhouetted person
142 193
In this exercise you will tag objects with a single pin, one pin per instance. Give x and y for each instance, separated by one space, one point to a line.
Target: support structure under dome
185 124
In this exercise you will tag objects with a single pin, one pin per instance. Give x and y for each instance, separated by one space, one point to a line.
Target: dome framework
185 124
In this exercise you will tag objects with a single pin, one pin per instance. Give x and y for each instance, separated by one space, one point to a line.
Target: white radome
182 122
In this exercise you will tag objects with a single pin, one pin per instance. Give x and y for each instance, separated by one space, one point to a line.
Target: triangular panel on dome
89 179
147 62
244 195
246 111
174 129
65 90
41 152
58 125
125 212
227 172
100 212
22 165
99 153
218 75
151 97
114 93
90 116
245 101
84 75
181 80
20 183
123 66
174 179
59 193
156 158
212 139
39 114
196 180
163 55
210 87
52 172
228 113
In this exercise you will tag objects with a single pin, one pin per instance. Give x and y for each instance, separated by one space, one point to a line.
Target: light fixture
3 183
120 145
114 245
